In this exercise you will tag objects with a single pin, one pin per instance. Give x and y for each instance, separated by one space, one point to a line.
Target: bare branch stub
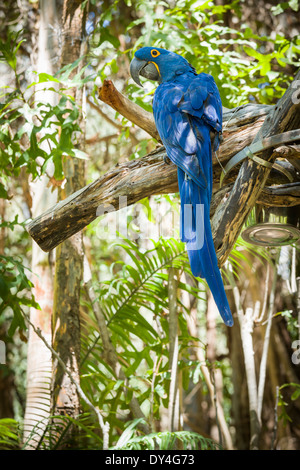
131 111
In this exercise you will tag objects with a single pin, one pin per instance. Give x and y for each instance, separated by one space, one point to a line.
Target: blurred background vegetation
157 368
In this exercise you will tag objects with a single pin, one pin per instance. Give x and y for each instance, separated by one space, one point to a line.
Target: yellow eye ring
155 53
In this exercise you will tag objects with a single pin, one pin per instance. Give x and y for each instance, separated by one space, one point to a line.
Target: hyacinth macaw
187 111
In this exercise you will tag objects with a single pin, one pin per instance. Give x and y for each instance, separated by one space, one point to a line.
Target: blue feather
196 233
187 107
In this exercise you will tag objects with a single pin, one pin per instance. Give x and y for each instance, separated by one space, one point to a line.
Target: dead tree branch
149 175
231 215
131 111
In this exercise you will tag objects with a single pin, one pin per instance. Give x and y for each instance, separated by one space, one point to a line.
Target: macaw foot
167 160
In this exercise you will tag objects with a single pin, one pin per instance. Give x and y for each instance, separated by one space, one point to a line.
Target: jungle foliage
130 278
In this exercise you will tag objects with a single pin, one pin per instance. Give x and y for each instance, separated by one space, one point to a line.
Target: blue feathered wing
188 116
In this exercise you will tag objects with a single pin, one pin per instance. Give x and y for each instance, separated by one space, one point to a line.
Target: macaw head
157 64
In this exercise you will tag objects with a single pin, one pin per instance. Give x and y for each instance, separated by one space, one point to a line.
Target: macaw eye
155 53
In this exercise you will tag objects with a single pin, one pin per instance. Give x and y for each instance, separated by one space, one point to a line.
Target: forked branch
132 181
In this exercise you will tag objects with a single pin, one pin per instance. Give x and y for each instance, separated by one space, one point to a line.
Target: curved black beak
142 67
136 65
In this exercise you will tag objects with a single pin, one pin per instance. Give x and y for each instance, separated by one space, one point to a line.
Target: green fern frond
163 440
9 434
143 282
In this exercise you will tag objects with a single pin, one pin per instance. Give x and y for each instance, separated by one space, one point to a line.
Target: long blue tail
196 233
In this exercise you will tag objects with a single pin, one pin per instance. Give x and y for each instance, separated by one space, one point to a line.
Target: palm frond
135 305
9 434
163 440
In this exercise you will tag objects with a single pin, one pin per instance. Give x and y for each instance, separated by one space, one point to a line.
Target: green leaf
3 192
106 36
17 321
80 154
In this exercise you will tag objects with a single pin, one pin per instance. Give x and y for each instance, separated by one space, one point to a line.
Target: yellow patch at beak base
157 68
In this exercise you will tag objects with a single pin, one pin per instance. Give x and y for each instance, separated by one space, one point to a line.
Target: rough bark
39 361
134 113
252 177
69 255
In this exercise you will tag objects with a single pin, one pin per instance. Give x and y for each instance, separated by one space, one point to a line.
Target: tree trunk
257 424
69 255
39 361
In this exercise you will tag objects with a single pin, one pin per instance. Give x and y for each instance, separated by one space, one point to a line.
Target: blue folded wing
186 114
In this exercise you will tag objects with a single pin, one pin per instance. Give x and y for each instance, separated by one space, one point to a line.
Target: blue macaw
187 111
